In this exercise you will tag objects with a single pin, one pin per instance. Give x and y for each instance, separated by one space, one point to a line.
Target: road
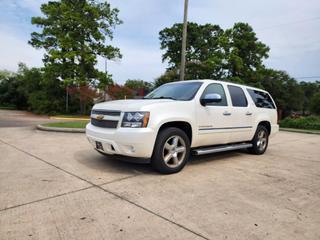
9 118
55 186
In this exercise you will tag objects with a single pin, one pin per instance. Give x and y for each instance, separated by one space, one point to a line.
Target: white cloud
289 28
138 62
31 5
14 50
294 47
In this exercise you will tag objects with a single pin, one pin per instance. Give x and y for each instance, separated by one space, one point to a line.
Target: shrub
40 103
310 122
7 106
315 103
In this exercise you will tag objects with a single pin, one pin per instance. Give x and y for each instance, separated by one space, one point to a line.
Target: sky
291 28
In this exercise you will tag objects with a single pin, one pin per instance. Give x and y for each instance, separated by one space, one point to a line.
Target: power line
289 23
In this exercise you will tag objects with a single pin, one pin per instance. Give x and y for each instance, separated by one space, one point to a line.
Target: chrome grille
105 118
104 123
106 112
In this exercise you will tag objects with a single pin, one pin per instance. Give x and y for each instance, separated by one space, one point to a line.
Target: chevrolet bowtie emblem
99 117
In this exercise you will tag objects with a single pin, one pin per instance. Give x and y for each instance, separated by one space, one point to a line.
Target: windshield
176 91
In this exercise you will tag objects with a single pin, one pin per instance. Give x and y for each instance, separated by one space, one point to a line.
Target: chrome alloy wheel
174 151
262 140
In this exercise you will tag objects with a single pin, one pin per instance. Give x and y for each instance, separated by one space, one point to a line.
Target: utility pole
106 87
67 100
184 41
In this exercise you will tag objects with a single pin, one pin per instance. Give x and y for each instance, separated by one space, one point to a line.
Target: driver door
214 119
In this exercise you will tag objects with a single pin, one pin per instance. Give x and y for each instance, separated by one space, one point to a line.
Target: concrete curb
70 119
56 129
299 131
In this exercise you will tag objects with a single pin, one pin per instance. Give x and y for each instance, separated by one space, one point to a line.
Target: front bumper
133 142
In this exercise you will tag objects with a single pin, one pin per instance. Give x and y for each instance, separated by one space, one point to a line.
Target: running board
229 147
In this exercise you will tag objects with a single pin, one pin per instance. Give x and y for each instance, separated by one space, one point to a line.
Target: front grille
104 123
106 112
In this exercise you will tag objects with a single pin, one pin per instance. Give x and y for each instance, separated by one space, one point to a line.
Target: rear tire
171 151
260 141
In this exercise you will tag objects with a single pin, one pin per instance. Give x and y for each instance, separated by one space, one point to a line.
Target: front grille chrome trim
106 112
105 118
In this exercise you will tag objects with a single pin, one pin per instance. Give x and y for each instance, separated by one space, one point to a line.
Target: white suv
179 118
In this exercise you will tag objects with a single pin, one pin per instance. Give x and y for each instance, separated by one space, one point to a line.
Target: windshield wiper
162 97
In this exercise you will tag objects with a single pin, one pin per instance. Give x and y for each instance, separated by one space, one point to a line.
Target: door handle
248 113
227 113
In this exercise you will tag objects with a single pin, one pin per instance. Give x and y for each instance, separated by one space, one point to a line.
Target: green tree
30 90
73 34
137 84
235 54
203 53
315 103
168 76
243 54
29 79
285 90
202 42
4 74
309 89
9 91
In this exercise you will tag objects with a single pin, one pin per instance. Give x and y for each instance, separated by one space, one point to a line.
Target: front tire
260 141
171 151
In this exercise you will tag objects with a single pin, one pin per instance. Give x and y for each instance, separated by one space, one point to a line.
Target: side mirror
210 98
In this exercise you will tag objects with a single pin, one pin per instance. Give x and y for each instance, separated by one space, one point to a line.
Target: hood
130 105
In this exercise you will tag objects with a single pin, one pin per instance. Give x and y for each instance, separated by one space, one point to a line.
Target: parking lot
55 186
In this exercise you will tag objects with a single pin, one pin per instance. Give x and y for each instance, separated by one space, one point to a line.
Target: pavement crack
101 188
121 179
44 161
152 212
44 199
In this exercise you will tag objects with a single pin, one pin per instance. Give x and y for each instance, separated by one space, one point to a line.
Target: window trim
254 102
224 91
244 94
177 82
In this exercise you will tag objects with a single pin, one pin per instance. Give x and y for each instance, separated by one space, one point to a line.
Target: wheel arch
183 125
266 124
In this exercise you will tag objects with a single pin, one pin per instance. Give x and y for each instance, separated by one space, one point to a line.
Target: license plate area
99 146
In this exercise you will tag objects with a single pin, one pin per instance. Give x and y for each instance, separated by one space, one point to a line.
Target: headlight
135 119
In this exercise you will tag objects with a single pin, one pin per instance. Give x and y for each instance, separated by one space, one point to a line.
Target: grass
71 116
69 124
8 107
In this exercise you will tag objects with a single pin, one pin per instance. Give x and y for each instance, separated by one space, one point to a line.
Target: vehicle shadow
112 164
221 156
126 165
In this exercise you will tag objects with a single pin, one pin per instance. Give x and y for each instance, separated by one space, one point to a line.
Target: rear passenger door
241 115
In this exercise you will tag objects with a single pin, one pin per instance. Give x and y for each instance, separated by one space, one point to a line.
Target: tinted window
218 89
237 96
261 99
175 91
